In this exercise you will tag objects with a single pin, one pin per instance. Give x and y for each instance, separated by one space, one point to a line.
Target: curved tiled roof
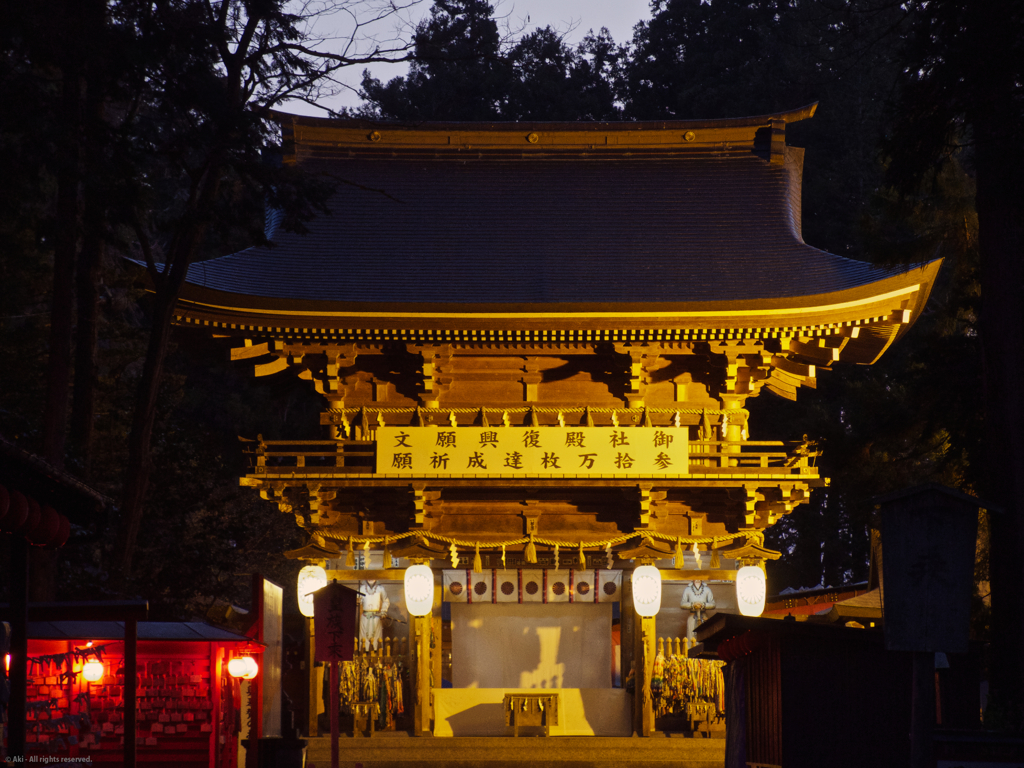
546 229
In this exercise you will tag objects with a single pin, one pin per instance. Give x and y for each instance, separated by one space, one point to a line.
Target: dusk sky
572 17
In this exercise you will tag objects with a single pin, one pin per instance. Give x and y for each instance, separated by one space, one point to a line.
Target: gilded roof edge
305 136
915 280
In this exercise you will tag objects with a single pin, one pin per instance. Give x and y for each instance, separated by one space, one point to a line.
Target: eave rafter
779 359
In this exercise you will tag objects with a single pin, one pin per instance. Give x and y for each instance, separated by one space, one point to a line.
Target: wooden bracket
750 502
682 384
642 361
422 499
649 500
436 360
249 350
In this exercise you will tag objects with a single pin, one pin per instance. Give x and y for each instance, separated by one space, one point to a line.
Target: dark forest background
133 130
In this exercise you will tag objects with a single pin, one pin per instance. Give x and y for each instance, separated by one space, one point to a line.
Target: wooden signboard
928 541
272 634
334 622
533 451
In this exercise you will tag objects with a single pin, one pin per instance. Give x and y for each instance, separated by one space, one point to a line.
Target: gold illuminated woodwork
687 367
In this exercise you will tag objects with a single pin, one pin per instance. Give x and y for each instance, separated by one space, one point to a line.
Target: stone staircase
399 750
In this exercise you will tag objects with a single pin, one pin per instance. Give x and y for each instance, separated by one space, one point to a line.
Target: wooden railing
681 646
388 649
751 456
292 458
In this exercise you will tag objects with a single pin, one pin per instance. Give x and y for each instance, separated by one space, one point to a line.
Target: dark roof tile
547 230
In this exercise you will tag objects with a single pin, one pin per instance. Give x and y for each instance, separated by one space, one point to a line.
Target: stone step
403 751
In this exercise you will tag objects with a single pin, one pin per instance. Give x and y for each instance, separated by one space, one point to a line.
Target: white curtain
531 645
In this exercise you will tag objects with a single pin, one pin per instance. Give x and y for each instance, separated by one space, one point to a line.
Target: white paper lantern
751 590
244 667
251 668
646 590
93 671
236 667
419 590
311 578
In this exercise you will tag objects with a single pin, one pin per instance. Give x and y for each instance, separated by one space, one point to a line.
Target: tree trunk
139 466
90 257
1000 204
83 405
58 367
183 249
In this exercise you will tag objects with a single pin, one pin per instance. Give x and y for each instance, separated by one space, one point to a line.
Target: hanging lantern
93 671
751 589
419 590
646 590
244 667
251 668
311 578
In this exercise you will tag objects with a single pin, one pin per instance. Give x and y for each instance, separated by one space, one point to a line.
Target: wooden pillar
922 710
643 654
131 668
734 431
421 675
314 694
438 652
252 754
216 671
627 617
19 647
335 704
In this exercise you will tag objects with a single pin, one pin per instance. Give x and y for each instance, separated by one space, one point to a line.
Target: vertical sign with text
334 622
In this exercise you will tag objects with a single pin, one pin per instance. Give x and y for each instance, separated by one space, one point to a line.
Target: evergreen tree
961 97
699 60
150 132
464 69
458 71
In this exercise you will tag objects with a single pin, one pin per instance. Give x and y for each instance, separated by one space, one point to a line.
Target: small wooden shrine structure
825 693
188 708
535 344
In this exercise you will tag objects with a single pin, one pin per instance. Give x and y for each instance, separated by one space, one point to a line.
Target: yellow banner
530 451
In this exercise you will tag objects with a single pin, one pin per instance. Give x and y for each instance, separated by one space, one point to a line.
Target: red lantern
63 532
724 651
32 519
16 513
47 528
743 644
757 640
